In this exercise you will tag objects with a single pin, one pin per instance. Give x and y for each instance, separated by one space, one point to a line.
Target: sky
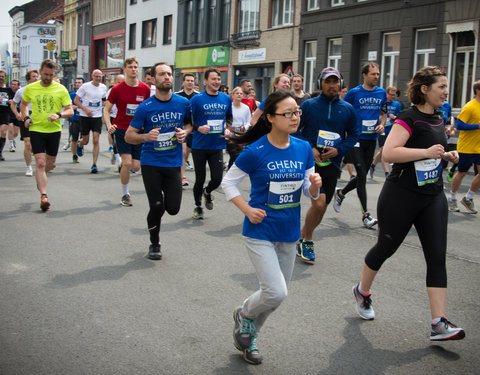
6 21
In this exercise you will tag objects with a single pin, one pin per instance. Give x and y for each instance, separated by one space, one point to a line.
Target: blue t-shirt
262 104
368 105
393 108
276 177
75 117
153 113
210 110
446 109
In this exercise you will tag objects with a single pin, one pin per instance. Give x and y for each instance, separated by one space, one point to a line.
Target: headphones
319 82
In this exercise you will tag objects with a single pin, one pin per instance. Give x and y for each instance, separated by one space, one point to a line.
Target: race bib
327 139
165 141
368 126
284 194
236 126
216 126
428 171
131 108
94 103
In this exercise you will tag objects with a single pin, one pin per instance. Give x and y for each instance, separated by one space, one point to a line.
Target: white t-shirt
92 96
113 114
18 97
241 116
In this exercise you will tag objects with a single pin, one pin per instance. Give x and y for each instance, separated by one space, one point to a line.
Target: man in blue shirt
369 102
74 123
211 113
163 118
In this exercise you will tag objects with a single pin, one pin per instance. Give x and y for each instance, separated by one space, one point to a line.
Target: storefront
196 61
109 54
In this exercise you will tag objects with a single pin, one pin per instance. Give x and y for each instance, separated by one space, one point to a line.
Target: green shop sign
209 56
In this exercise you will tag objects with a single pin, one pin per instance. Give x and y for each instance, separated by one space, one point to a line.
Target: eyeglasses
290 114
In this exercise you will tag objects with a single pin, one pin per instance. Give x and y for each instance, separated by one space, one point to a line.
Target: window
133 2
313 4
225 20
282 12
309 65
248 15
334 52
199 32
167 29
212 21
424 47
132 35
337 3
149 33
48 54
188 38
463 68
390 58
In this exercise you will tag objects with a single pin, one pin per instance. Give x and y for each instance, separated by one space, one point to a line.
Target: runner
74 123
246 87
469 152
162 118
413 195
6 94
187 92
126 96
48 98
369 102
330 126
13 125
280 167
31 76
111 141
297 89
89 100
393 109
211 113
240 123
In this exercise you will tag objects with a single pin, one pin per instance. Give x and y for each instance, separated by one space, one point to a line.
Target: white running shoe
469 205
29 172
452 205
368 221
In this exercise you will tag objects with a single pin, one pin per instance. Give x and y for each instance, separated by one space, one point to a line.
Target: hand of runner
451 156
256 215
435 152
316 155
328 153
379 129
152 135
315 181
112 129
180 134
204 129
53 117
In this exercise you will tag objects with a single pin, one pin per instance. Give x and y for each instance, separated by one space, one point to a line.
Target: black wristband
59 114
26 118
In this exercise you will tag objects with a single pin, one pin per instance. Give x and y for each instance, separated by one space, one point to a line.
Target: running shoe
307 252
208 200
110 149
368 221
450 175
337 202
80 151
29 172
371 170
75 159
119 167
188 166
251 354
2 158
154 252
126 201
452 205
66 146
94 169
299 247
469 205
363 304
112 159
243 330
445 330
198 213
12 148
184 181
44 203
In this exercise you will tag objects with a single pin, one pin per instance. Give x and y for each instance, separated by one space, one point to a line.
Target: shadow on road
346 360
62 281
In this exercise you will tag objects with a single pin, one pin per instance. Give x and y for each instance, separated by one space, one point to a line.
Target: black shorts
24 132
45 142
189 140
88 124
347 159
126 148
74 129
329 176
4 118
381 139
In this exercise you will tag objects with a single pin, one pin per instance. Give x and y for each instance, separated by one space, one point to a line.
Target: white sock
118 158
124 189
12 142
453 196
436 320
29 167
470 194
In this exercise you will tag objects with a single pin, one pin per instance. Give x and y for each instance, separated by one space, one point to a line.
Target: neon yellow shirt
45 102
469 140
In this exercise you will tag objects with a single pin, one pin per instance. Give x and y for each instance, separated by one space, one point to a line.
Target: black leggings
215 163
398 208
164 192
362 159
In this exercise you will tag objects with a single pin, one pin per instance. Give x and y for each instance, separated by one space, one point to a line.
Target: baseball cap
330 71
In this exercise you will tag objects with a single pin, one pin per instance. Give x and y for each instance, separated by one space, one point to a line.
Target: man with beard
48 97
330 126
162 117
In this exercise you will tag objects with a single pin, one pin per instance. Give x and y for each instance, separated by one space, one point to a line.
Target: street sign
50 46
64 55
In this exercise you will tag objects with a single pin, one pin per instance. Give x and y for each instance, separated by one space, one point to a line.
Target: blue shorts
465 161
124 147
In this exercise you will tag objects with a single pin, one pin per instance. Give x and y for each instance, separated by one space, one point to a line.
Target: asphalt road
78 295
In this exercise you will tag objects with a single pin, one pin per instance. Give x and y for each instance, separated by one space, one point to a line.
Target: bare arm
106 117
256 115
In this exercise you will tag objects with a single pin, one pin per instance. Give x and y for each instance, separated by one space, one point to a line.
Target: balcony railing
247 35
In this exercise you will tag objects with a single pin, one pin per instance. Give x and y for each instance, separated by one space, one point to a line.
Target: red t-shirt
127 98
250 102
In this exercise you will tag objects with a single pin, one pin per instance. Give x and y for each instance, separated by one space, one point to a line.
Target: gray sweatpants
273 262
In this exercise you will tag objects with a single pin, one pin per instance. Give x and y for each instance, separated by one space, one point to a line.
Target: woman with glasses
280 168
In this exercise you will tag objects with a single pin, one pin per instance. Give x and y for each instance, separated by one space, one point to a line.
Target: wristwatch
59 114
